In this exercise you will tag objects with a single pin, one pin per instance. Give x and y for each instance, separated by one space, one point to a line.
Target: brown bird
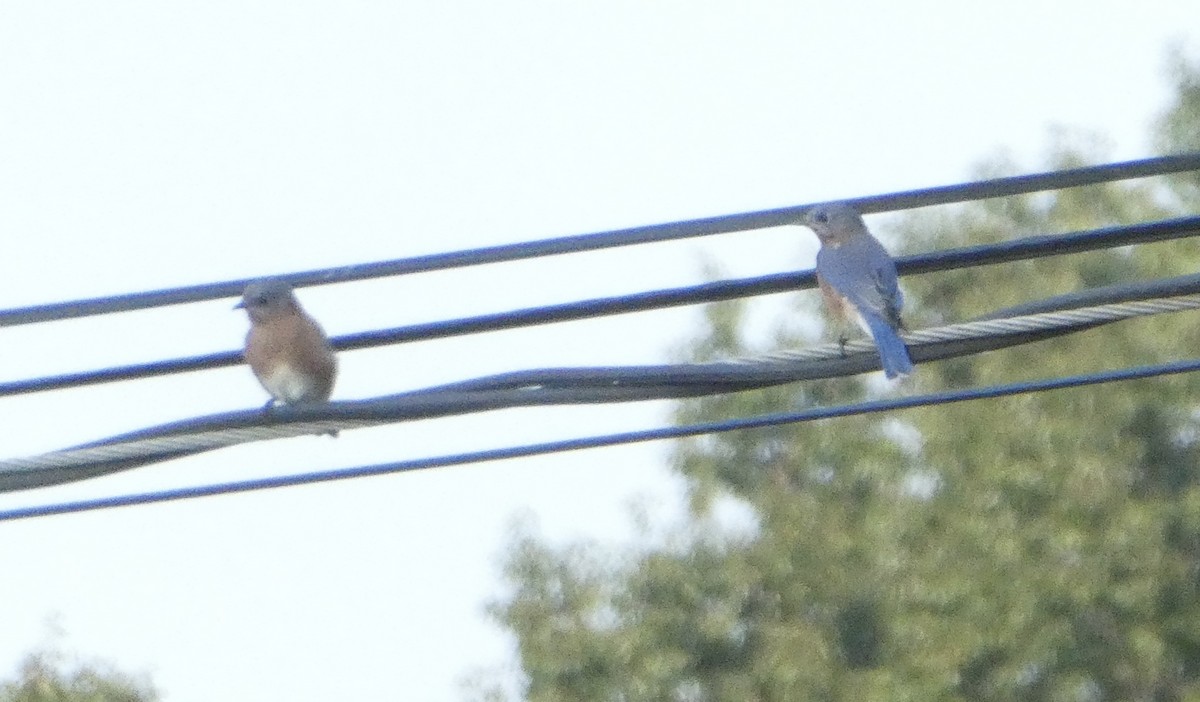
286 348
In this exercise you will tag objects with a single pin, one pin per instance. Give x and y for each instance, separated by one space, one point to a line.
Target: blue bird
858 281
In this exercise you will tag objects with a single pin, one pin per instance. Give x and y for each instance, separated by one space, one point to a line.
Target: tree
46 676
1038 547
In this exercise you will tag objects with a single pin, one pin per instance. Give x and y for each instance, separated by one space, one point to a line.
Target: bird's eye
822 217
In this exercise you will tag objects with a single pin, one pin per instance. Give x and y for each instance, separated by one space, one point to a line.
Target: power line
963 257
566 386
679 432
1036 321
996 187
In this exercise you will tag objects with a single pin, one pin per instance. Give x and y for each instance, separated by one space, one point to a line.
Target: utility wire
678 432
565 386
997 187
949 259
572 386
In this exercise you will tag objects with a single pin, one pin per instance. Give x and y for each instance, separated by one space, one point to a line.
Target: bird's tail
893 354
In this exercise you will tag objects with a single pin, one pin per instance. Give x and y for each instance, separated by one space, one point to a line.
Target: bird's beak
241 305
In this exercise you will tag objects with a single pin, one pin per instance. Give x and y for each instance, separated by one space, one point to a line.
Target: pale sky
147 145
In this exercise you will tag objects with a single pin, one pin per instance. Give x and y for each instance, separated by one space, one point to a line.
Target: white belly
287 385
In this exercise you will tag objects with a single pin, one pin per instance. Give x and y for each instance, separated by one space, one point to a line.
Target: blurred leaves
1039 547
47 676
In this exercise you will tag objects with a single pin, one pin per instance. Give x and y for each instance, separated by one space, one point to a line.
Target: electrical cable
676 432
948 259
996 187
1031 322
567 386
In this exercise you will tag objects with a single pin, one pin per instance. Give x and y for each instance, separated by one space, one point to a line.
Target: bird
857 278
285 347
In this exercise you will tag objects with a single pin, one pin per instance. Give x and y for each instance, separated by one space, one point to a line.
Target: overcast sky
147 145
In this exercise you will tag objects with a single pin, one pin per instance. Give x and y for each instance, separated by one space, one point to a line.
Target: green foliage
45 676
1040 547
1177 131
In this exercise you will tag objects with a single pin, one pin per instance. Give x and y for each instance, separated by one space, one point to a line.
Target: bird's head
834 222
265 298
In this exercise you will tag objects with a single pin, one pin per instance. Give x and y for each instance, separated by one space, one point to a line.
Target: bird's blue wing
863 273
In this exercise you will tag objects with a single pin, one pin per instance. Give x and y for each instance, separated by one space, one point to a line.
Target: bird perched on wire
858 281
286 348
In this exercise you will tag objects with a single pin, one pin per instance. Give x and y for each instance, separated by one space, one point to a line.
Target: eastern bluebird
285 347
858 280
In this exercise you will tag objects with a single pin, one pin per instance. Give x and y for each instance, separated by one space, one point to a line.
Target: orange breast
291 357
